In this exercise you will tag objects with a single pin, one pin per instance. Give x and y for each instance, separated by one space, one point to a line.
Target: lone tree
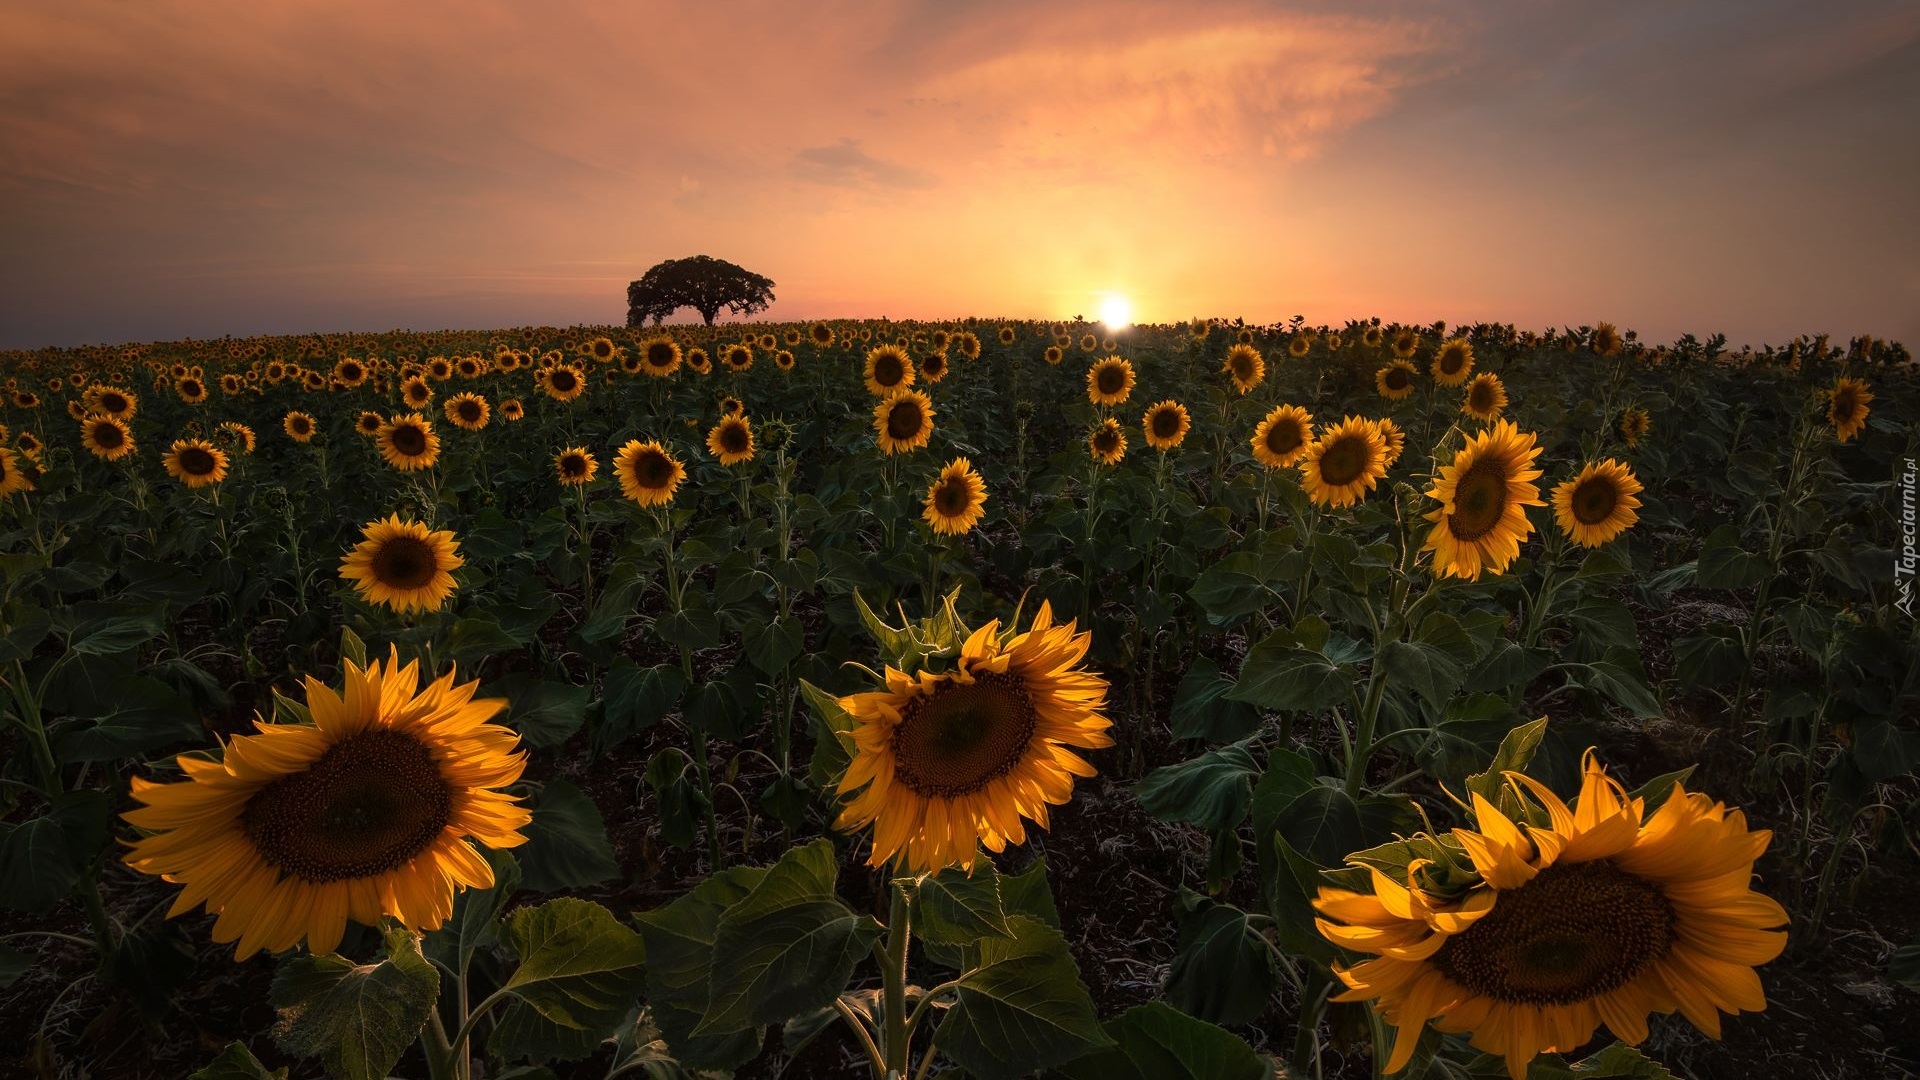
701 282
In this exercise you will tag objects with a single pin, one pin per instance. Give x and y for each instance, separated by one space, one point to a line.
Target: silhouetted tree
701 282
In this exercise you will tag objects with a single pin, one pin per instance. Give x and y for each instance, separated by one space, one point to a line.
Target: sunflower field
987 699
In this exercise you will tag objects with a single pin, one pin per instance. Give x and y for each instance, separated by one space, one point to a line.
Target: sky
197 169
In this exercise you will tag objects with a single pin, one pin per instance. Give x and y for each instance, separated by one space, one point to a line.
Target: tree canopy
701 282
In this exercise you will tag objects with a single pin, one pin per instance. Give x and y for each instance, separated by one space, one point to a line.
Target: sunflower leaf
42 857
1202 711
357 1018
567 845
237 1062
1158 1042
1021 1008
952 907
1223 972
1516 751
1213 790
679 947
1285 679
580 973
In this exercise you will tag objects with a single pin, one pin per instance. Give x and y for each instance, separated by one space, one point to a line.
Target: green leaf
546 714
681 802
352 648
1027 893
1279 677
1223 972
1427 670
476 915
1516 751
23 632
42 857
1725 564
567 845
1656 790
103 628
637 698
1625 687
788 947
680 939
1201 709
772 646
1616 1062
580 974
1157 1042
1235 586
1323 824
833 753
1713 657
146 716
237 1062
641 1049
1212 790
474 639
1022 1008
357 1018
952 907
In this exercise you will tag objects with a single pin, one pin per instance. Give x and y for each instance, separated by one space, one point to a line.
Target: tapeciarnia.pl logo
1904 562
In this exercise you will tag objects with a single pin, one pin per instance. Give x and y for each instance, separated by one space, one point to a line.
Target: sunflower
1452 363
1088 343
904 421
368 423
820 334
1243 336
468 411
439 369
1006 335
1053 355
1600 915
1334 343
563 383
106 437
29 445
1395 439
730 405
511 410
738 357
1633 424
13 479
575 466
298 426
240 434
1395 381
1110 381
469 367
957 500
601 349
416 391
933 367
26 399
364 814
1166 425
1281 438
110 401
191 390
1198 329
1486 396
967 344
660 356
767 341
313 381
888 370
1847 407
1483 495
698 361
648 474
731 440
1405 343
1345 462
409 442
1606 340
1597 505
1299 346
952 760
1107 443
195 462
77 409
1245 364
403 565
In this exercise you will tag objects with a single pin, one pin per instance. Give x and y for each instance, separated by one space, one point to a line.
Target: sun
1115 312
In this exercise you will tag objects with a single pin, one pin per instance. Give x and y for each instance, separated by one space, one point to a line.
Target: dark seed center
369 805
405 562
964 736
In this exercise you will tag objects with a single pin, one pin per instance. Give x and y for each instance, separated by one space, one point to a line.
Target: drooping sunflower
1847 407
469 411
1107 443
1606 340
647 472
933 367
946 762
575 466
1395 381
1633 424
13 478
409 442
1599 504
1395 439
511 410
416 391
1452 363
738 357
957 499
731 440
368 423
660 356
1486 397
888 370
299 426
1245 364
195 462
1344 463
1166 425
1110 381
1483 496
1602 916
367 812
106 437
903 422
562 382
403 565
1282 436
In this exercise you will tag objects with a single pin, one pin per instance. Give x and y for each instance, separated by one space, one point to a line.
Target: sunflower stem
875 1060
893 972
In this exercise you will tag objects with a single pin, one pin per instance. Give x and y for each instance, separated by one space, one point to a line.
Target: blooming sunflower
106 437
1606 340
1847 407
195 462
403 565
1282 436
1395 439
562 382
903 422
953 760
1395 381
1088 343
239 434
1486 396
697 360
1299 346
1344 463
416 391
1007 335
648 474
468 412
1602 916
660 356
366 813
1633 424
601 349
13 479
1372 336
511 410
575 466
1452 363
820 334
1599 504
888 370
191 390
1166 425
957 500
738 357
1053 355
1245 364
730 405
1107 443
111 401
731 440
1110 381
1405 344
368 423
409 442
1483 497
933 367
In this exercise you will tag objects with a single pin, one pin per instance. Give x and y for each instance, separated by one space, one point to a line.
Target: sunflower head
562 382
408 442
1395 439
1299 346
1606 340
1395 381
403 565
648 473
1486 397
299 426
575 466
1245 366
106 437
1599 504
196 462
731 440
1007 335
888 369
1053 355
1453 362
820 334
1483 496
739 357
416 391
191 390
660 356
1847 407
1405 344
903 421
1110 381
783 360
511 410
1166 424
1344 463
1281 437
13 477
369 423
957 500
1107 444
468 412
1634 423
933 366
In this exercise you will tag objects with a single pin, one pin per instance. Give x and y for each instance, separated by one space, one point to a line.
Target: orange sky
171 169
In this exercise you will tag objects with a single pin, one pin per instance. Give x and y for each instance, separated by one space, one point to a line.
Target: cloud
844 164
